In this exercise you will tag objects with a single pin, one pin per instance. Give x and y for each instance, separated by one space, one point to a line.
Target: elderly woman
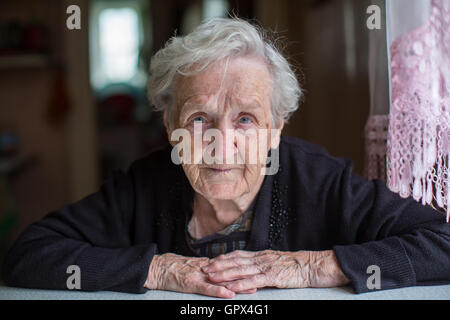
224 227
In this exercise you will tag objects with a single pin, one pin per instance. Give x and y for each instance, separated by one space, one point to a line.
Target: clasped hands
244 272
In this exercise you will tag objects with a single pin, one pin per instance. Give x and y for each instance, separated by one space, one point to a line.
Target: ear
276 137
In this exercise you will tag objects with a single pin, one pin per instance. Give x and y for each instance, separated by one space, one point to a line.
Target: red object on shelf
120 106
36 38
59 104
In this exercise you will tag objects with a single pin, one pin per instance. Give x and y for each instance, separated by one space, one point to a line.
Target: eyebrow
253 104
188 110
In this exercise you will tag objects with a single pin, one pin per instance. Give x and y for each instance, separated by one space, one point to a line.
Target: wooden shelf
13 165
24 61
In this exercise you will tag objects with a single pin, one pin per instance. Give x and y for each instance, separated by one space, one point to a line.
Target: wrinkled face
223 109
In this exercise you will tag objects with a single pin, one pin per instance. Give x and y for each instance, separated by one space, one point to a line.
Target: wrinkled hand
246 270
173 272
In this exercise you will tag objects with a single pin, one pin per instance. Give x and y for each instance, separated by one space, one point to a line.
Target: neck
213 215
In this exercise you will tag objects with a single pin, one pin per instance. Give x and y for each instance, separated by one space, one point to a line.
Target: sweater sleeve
407 242
93 234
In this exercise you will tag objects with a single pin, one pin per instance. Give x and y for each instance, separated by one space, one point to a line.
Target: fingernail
205 268
212 274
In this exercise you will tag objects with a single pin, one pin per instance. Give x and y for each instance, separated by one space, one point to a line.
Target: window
214 8
119 44
116 42
200 11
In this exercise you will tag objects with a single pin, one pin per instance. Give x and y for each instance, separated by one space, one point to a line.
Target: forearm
404 260
40 258
324 270
154 273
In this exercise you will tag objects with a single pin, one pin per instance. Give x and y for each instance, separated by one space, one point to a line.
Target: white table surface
343 293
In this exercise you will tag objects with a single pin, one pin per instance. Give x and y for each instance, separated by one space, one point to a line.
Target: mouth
221 169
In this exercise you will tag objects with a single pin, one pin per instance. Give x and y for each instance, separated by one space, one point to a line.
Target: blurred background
73 104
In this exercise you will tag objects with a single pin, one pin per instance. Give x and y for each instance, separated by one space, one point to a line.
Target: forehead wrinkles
224 85
223 101
208 82
234 74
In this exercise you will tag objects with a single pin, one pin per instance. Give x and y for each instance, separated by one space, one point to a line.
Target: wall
331 53
25 94
82 122
65 151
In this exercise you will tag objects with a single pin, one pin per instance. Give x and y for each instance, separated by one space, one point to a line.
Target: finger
219 265
213 290
250 291
204 262
253 282
234 273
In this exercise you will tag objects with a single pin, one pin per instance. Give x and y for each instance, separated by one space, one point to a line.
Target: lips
220 168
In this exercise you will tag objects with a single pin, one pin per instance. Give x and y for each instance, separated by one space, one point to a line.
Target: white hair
211 42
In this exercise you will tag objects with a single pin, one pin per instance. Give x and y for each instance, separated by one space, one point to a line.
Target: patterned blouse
233 237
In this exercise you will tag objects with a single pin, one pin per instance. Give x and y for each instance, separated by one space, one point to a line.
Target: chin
223 191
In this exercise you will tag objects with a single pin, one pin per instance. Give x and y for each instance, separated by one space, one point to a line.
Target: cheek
253 147
194 149
192 172
251 174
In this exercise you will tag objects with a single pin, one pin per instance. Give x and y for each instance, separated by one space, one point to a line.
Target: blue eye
199 119
245 120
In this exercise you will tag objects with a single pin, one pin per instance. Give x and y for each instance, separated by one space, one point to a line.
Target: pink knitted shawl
418 146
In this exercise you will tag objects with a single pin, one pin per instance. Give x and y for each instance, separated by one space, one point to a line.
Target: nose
226 150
